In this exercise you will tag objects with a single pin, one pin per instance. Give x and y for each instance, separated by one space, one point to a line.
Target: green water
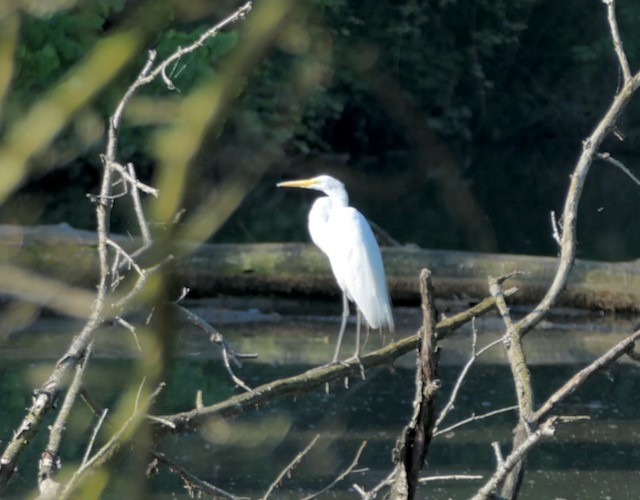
599 458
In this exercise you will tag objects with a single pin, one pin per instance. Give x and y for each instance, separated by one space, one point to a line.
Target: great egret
346 238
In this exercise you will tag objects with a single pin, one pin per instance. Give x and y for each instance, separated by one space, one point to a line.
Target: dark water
599 458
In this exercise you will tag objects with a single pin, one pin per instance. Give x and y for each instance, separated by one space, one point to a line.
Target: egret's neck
320 213
338 197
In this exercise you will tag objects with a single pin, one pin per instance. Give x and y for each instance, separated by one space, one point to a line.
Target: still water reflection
595 459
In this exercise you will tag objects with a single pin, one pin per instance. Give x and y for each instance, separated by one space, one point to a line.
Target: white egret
346 238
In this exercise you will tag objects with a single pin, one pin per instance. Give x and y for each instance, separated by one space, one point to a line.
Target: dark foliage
506 90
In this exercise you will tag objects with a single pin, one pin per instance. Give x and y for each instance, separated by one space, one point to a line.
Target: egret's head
324 183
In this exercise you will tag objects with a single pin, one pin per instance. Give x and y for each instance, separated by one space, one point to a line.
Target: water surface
599 458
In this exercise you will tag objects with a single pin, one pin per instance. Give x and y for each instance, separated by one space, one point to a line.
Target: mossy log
296 268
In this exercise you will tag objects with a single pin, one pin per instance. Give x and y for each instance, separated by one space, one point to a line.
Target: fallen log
295 268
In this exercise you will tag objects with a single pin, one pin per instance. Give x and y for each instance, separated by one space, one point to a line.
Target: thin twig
162 421
555 229
545 430
372 493
617 41
450 477
109 447
94 434
145 232
51 464
152 74
216 337
610 159
497 451
290 466
139 284
124 323
607 359
48 393
463 373
383 236
193 482
474 418
237 380
128 175
342 475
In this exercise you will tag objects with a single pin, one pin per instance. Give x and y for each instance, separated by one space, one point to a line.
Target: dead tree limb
589 152
567 241
297 268
545 430
50 461
521 378
602 363
193 419
413 444
525 438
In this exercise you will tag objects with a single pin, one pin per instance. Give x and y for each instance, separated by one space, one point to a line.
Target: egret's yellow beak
302 183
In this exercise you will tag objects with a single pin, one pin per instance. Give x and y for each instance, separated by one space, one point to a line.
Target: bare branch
498 453
608 158
555 229
290 466
152 74
574 193
515 353
451 477
607 359
137 207
120 251
371 494
193 482
617 41
316 377
129 176
216 337
132 329
139 284
461 377
50 461
413 444
103 454
48 393
547 429
474 418
342 475
94 434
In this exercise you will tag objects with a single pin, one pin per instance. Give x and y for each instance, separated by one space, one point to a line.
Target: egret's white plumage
346 238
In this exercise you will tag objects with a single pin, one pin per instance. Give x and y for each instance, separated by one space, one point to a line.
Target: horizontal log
295 268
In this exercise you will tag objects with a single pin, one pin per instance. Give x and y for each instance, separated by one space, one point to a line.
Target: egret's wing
357 264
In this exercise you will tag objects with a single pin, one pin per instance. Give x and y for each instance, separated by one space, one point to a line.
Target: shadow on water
594 459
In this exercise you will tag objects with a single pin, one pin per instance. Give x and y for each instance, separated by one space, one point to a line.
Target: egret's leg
356 355
343 325
358 324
